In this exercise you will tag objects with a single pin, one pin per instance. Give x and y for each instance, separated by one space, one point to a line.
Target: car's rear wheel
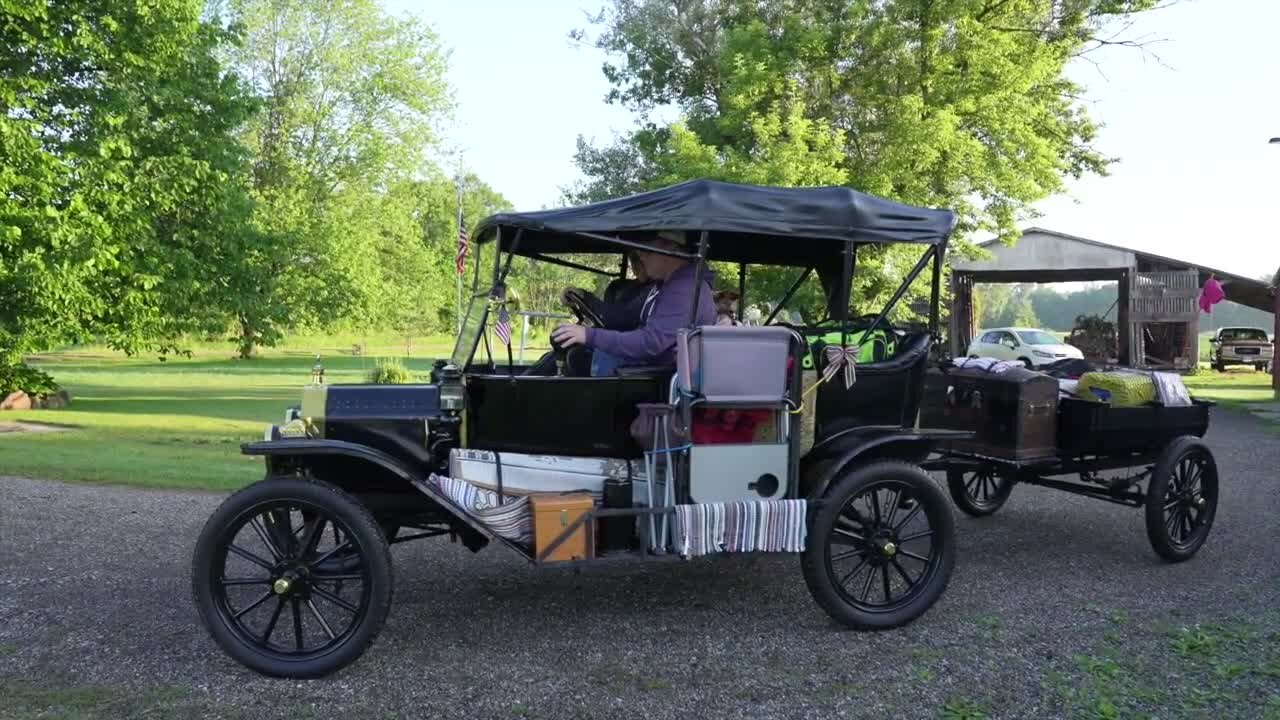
881 547
979 492
1182 499
292 577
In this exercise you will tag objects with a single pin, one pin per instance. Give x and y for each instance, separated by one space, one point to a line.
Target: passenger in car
664 311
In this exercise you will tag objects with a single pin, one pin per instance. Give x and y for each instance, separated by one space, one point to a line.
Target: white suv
1030 346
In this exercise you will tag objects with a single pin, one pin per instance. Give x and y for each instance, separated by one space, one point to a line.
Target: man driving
665 310
623 298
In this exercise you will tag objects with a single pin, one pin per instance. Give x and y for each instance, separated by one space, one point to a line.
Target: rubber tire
813 560
1159 484
362 525
960 495
1219 366
1026 362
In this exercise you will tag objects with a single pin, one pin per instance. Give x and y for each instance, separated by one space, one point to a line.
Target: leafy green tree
963 104
351 101
120 176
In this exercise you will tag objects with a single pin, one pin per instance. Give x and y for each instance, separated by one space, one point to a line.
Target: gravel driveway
1058 608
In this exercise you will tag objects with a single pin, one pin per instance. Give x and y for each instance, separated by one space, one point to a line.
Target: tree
351 99
960 104
417 246
119 172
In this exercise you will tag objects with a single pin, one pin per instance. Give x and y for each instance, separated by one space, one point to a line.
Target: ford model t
292 575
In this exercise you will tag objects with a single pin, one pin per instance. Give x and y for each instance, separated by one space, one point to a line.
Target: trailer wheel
292 577
979 492
1182 499
881 548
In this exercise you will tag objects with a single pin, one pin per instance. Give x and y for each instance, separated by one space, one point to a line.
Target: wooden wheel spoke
854 571
314 531
227 582
297 622
902 571
840 536
913 556
320 577
242 611
271 624
345 605
337 549
266 538
917 536
324 625
910 516
866 589
893 506
237 550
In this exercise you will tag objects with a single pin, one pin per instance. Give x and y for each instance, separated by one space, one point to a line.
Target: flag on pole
463 243
503 328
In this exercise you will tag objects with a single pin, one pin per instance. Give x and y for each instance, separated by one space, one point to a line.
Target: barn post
1275 329
1124 324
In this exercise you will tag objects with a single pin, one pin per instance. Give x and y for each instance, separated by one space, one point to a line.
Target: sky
1195 177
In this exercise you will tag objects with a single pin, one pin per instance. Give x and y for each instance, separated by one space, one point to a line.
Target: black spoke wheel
979 492
292 577
1182 499
881 546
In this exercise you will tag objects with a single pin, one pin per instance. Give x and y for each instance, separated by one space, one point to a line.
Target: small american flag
503 328
463 242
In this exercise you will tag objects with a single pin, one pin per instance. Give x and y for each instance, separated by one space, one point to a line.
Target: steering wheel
579 303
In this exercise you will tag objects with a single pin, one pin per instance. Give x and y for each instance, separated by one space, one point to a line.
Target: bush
389 372
27 379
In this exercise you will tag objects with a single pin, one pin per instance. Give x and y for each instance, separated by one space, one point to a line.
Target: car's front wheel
292 577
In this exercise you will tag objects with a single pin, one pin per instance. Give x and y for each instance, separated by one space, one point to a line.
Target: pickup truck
1241 346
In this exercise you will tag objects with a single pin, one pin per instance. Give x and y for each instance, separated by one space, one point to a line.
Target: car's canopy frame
815 229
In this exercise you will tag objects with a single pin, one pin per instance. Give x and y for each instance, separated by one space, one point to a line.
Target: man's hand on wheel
567 336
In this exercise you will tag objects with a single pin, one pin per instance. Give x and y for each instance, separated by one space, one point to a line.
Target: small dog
726 307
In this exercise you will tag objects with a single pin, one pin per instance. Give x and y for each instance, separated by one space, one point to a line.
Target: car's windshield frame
484 293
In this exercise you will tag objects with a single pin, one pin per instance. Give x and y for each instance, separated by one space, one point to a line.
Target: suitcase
552 516
1014 413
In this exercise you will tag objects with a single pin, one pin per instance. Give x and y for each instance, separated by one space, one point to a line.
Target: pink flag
1211 294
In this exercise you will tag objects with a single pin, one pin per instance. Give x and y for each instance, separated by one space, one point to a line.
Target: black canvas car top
748 223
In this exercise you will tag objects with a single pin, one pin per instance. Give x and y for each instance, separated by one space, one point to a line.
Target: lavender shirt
665 311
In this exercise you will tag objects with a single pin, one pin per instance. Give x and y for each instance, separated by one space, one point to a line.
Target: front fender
300 447
835 453
475 534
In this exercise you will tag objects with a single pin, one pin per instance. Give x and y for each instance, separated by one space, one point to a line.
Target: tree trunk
247 342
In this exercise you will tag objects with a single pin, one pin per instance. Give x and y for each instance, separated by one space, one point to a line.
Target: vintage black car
292 575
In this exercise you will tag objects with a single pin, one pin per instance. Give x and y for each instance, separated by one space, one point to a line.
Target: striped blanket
764 526
512 520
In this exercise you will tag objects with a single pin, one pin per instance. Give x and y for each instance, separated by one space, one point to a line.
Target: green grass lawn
1236 386
179 423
